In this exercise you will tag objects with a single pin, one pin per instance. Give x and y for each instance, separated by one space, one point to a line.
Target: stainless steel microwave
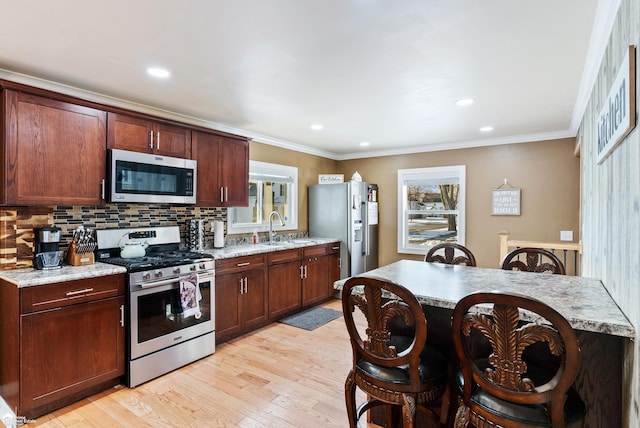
144 177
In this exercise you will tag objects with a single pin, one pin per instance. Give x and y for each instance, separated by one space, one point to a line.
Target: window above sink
272 187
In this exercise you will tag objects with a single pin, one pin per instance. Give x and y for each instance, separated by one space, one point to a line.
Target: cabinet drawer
284 256
38 298
239 264
315 250
333 248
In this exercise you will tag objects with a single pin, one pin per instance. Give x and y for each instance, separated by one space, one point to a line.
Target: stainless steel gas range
170 311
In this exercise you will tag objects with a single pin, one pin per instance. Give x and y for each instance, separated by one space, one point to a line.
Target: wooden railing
568 252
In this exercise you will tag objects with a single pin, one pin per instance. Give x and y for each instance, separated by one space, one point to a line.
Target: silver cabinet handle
73 293
226 194
158 140
102 189
243 264
301 272
241 285
151 140
246 282
122 315
221 194
305 271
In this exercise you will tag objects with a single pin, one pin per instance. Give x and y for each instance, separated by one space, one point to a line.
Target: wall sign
618 115
330 178
505 201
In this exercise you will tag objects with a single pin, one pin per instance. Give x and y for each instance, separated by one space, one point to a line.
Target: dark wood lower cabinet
284 289
295 278
60 342
241 296
66 350
316 278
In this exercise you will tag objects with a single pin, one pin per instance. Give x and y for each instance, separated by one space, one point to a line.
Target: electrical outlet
566 235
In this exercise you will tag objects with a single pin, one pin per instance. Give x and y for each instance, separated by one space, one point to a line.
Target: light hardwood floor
278 376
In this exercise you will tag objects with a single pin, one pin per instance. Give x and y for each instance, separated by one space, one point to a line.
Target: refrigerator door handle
365 230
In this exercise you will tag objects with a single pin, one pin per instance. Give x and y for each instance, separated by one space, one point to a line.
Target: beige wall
547 172
309 166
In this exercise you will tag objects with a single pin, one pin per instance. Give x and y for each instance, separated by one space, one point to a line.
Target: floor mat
312 318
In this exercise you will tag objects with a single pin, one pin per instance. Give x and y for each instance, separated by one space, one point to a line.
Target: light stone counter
32 277
249 249
584 302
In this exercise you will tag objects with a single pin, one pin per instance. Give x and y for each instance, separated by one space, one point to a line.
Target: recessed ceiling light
486 129
365 144
465 102
158 72
316 127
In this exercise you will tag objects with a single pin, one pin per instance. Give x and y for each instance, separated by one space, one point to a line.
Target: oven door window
160 313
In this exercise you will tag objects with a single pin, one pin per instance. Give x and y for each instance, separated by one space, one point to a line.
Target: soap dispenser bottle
254 238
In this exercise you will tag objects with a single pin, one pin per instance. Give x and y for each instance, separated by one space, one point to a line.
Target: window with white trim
272 187
431 207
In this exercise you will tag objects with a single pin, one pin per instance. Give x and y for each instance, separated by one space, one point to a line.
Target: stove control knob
202 266
193 268
146 276
158 274
177 270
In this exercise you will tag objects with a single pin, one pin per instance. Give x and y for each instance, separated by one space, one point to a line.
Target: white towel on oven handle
190 296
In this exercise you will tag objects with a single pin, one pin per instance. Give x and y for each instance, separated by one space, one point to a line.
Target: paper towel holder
218 234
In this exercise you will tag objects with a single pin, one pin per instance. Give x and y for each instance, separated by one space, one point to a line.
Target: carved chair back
451 254
535 260
508 372
391 362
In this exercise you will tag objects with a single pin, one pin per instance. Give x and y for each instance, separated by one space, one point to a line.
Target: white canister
218 234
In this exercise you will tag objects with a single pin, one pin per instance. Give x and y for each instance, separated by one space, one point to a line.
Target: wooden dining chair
514 373
451 254
535 260
393 369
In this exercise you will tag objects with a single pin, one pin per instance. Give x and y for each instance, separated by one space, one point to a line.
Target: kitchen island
601 327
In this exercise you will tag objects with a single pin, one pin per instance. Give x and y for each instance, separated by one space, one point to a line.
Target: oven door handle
201 276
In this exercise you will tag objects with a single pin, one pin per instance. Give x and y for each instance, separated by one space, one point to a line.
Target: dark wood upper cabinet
54 151
147 136
223 170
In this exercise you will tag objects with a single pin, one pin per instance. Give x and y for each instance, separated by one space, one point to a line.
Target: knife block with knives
81 249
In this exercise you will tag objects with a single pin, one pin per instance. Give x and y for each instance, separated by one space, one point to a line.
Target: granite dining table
602 328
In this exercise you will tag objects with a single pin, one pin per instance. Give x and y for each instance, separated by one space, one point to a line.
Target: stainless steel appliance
163 333
349 212
143 177
46 253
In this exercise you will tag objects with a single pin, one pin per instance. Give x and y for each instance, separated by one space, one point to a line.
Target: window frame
429 174
258 168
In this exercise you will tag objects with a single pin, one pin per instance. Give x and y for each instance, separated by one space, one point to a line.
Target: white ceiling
383 71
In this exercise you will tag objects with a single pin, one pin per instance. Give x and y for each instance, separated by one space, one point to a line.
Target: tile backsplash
17 223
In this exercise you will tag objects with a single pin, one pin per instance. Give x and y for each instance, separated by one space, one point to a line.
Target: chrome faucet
272 234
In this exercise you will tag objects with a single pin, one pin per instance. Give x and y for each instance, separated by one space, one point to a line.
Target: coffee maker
47 254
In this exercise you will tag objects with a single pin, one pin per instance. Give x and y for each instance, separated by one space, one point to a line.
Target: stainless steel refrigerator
349 212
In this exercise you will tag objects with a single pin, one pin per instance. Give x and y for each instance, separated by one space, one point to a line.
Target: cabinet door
129 133
55 152
227 314
284 289
334 266
205 150
254 299
66 350
233 172
314 284
172 141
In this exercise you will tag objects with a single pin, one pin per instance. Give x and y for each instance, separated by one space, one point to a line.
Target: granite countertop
263 247
584 302
33 277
